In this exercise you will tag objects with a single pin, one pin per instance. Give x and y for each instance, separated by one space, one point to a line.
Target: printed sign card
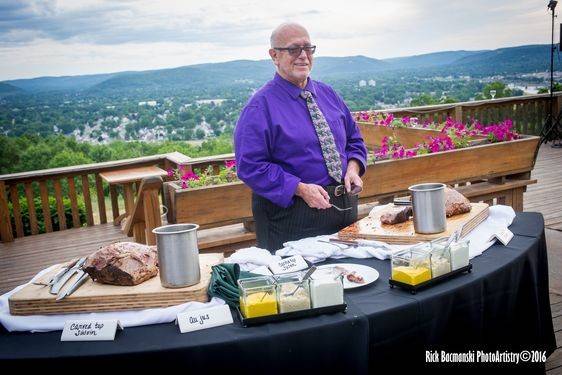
90 330
196 320
290 264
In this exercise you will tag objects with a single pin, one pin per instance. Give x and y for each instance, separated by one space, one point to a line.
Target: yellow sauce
411 275
258 304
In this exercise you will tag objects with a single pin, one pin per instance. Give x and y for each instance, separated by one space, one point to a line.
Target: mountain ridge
520 59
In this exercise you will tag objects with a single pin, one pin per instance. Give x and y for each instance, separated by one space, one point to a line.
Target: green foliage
53 213
501 89
28 153
556 87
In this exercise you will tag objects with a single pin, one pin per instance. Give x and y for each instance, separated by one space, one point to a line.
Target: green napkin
224 284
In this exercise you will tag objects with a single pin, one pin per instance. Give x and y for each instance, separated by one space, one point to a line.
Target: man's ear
273 54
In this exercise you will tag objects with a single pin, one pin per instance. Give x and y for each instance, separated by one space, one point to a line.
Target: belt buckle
339 190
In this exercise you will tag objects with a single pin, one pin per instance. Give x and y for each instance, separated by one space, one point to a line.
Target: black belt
335 190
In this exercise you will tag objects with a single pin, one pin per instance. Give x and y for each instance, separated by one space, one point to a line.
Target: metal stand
551 128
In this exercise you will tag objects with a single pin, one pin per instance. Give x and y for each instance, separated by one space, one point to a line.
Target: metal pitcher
178 255
428 204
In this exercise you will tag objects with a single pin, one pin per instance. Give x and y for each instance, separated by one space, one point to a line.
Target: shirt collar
292 89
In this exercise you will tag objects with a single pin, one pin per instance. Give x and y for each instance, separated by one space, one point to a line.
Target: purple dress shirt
276 145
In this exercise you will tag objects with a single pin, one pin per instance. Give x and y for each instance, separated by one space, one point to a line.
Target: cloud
90 36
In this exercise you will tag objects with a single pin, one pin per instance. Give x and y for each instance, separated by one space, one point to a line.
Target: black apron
276 225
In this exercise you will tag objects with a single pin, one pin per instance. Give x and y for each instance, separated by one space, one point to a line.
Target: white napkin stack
317 249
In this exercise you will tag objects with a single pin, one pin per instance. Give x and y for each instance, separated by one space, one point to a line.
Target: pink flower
170 172
230 163
190 176
184 185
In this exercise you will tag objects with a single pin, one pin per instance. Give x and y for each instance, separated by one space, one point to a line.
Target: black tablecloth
502 305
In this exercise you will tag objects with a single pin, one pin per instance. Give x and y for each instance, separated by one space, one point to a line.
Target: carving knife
57 286
82 278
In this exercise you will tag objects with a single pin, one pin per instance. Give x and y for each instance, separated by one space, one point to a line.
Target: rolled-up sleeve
355 146
252 147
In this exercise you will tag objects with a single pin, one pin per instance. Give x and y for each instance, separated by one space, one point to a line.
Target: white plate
369 274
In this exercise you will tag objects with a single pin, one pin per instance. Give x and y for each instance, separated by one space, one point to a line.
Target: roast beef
396 214
455 203
123 263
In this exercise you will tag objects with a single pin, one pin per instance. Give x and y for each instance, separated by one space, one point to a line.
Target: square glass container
291 297
411 266
257 296
440 258
460 254
326 289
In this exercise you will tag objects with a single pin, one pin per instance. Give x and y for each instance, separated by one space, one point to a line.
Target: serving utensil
82 278
63 278
306 276
341 209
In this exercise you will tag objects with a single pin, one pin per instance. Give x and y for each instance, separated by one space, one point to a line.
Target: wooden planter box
209 206
408 137
231 203
467 164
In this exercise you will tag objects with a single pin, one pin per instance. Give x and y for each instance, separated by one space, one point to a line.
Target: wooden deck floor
546 196
23 258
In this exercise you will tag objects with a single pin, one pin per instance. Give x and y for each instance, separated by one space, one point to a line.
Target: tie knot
305 94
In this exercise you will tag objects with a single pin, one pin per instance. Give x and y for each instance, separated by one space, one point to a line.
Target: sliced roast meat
396 214
123 263
456 203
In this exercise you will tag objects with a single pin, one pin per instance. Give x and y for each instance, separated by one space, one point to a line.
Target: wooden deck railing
83 181
527 112
48 183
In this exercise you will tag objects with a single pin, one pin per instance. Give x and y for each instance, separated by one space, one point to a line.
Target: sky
73 37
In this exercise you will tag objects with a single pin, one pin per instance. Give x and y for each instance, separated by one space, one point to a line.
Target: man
298 148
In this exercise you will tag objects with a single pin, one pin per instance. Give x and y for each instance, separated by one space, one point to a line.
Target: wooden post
151 206
73 203
31 208
14 195
101 199
60 204
5 222
458 113
87 200
114 203
45 206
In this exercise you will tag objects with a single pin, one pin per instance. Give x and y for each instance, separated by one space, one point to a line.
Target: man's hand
314 195
352 175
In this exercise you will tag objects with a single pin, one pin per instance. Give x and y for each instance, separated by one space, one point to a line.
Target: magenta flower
190 176
170 172
230 163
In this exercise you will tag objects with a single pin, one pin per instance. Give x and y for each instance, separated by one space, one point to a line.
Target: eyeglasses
296 51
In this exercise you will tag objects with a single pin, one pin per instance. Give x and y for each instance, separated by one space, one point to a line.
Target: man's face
294 69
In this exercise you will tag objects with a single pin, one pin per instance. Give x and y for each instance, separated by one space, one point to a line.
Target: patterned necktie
325 136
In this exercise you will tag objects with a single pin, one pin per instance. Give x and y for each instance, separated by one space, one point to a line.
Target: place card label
90 330
290 264
503 235
210 317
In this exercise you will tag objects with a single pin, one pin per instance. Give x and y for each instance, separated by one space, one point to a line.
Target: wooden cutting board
370 227
92 296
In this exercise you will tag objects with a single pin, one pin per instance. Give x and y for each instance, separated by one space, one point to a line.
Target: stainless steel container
178 255
428 203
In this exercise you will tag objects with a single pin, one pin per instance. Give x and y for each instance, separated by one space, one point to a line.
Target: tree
502 91
556 87
68 157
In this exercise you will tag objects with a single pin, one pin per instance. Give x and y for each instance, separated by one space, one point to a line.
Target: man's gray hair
276 35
